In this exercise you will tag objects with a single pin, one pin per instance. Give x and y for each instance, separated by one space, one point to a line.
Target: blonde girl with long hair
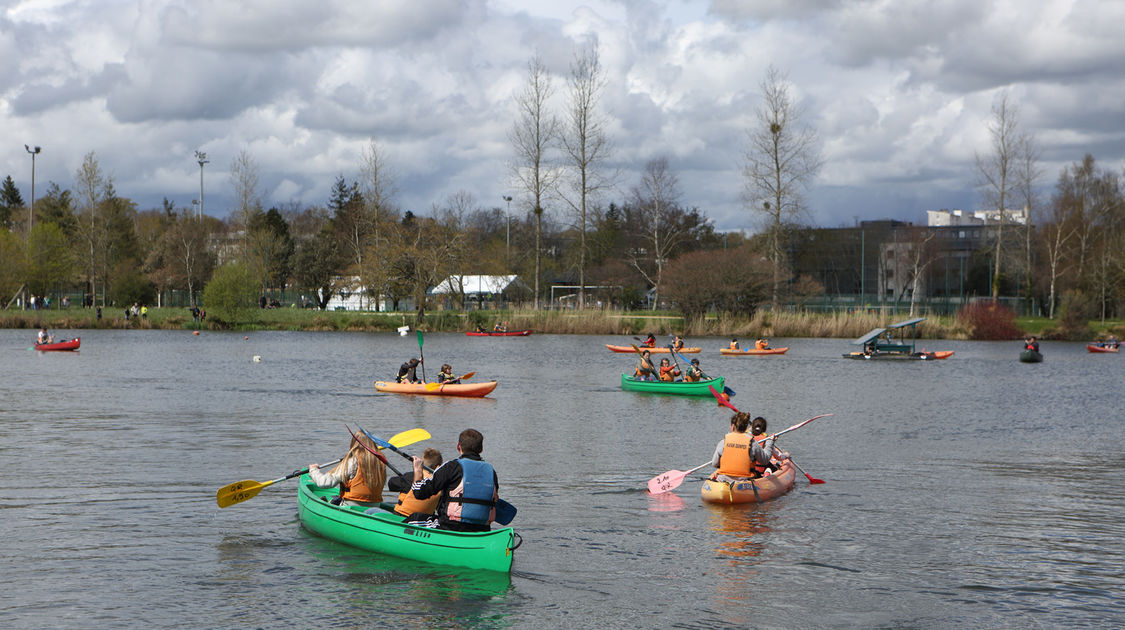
360 475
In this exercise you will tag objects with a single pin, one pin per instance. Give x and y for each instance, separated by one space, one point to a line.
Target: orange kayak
656 350
750 490
464 390
752 351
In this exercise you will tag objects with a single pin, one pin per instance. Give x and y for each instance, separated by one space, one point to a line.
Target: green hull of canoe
628 383
1030 356
385 532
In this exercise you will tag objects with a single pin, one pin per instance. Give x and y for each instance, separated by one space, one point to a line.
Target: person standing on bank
467 486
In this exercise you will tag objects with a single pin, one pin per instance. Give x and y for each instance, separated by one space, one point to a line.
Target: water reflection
737 526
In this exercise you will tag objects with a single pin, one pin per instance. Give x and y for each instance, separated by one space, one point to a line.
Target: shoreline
628 323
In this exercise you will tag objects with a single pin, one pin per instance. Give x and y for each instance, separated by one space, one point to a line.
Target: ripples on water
974 491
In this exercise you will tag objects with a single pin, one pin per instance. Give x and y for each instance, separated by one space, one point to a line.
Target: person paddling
678 344
694 374
1031 343
401 484
408 372
762 344
360 475
649 342
734 344
445 375
737 453
668 372
467 488
645 370
44 337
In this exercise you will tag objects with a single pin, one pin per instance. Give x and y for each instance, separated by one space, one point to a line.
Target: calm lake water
971 492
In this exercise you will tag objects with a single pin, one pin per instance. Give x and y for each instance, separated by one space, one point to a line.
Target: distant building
479 291
952 218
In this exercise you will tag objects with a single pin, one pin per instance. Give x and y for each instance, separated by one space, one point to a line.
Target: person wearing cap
407 372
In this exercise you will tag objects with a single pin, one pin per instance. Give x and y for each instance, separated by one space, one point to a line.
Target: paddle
726 403
726 390
812 480
430 387
672 351
505 511
421 357
642 356
670 480
247 489
377 454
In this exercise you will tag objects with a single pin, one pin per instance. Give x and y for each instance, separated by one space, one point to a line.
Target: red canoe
1093 347
510 333
69 344
656 350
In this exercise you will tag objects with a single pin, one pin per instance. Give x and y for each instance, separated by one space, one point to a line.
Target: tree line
574 223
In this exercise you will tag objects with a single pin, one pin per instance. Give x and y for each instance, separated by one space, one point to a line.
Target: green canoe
628 383
385 532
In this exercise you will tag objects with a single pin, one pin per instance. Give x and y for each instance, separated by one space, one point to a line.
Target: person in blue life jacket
468 489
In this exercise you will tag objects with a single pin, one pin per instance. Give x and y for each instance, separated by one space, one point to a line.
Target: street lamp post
31 211
508 235
201 157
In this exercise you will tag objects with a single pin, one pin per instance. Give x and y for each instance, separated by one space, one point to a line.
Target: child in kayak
738 453
694 373
445 376
645 370
668 372
360 475
407 504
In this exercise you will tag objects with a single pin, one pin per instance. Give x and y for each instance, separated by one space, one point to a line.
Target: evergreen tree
10 201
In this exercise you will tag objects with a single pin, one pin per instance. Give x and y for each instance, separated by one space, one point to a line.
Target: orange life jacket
760 468
761 344
355 489
668 373
734 345
408 505
735 460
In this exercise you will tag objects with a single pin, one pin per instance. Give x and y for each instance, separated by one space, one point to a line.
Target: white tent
476 285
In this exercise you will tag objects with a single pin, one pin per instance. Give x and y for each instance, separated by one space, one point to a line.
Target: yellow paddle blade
406 438
238 492
433 387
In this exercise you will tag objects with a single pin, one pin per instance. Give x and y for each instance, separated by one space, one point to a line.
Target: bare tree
658 197
532 135
585 144
997 170
782 159
377 185
1027 173
1057 231
244 178
921 255
91 186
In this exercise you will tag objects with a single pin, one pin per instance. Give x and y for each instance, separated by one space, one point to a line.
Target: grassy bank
839 325
631 323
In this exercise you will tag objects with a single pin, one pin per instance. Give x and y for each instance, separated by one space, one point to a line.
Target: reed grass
594 322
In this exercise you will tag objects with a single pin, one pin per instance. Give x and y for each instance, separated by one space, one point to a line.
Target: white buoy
257 359
402 330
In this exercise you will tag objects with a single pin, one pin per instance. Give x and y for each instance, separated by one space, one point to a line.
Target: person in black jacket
468 487
407 371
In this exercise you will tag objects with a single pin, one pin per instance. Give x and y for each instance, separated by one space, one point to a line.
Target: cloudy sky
899 92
